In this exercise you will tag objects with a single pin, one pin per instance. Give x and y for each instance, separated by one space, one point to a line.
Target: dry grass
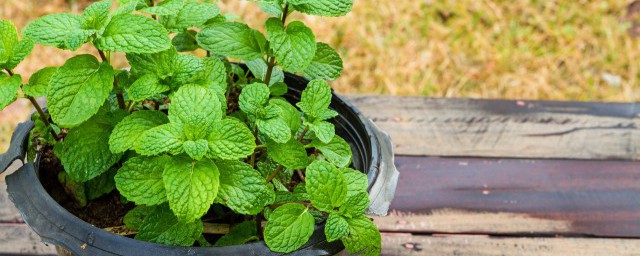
528 49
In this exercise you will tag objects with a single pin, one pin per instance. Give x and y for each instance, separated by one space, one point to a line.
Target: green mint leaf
253 98
133 33
289 227
168 7
164 138
135 217
278 186
316 99
197 109
191 14
337 151
326 64
230 139
100 185
326 185
289 113
213 75
96 15
184 67
355 205
330 8
159 63
202 241
291 154
278 89
259 69
127 133
61 30
289 197
124 79
146 87
357 182
232 39
324 130
140 180
8 40
185 41
275 128
22 49
240 234
216 20
76 190
242 188
9 86
85 151
39 82
191 186
336 227
363 237
129 6
12 51
163 227
272 9
78 89
294 47
196 149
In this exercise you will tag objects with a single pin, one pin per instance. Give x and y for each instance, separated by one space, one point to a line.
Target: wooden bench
491 177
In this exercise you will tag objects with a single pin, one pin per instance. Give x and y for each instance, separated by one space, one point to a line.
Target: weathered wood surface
407 244
516 196
18 239
506 128
528 199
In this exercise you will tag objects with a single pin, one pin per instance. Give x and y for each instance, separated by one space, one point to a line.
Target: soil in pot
105 211
108 211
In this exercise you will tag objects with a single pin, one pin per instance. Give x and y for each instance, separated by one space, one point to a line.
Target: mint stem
300 138
259 226
43 116
119 96
304 132
271 61
253 156
102 56
275 173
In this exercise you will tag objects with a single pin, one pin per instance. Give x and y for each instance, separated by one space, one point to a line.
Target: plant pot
372 154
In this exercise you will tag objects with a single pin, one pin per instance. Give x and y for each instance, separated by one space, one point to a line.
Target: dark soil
106 211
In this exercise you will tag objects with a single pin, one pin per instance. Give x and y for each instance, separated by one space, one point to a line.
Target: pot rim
114 243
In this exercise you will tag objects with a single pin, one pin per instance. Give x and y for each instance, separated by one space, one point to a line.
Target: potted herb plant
193 155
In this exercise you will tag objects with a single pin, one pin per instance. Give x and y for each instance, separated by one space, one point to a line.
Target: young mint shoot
185 137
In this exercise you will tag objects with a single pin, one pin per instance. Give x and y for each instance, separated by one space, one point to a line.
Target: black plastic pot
372 154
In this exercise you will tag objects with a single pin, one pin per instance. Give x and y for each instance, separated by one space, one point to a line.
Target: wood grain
407 244
8 212
18 239
506 128
516 197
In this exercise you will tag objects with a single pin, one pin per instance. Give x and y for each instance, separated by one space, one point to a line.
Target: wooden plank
407 244
506 128
515 197
8 212
18 239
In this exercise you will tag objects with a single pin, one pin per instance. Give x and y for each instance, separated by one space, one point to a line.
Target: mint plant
189 137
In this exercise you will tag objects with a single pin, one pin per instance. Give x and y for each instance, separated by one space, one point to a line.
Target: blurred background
517 49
